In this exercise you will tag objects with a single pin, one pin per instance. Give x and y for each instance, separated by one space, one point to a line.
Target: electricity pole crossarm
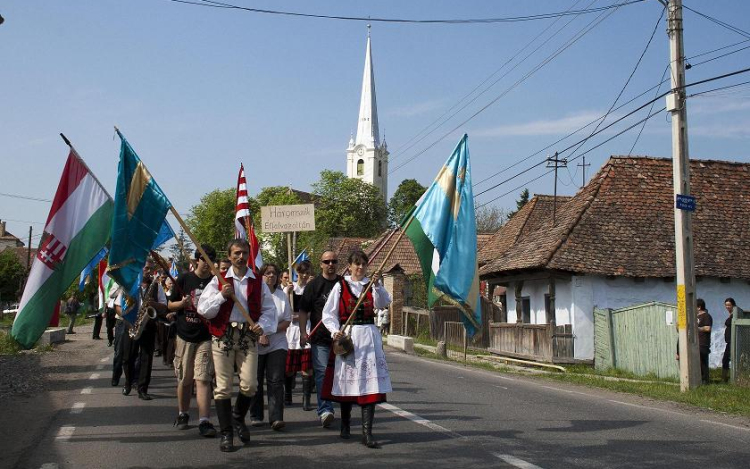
555 162
685 275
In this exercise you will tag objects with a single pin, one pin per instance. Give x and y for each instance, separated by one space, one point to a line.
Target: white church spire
367 127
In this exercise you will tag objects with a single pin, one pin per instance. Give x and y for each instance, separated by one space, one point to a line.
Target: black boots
346 419
307 386
368 414
224 414
238 417
288 385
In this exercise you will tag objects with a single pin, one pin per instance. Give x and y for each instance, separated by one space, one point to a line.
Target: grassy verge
9 346
717 396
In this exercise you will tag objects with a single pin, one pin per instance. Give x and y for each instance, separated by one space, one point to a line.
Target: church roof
368 133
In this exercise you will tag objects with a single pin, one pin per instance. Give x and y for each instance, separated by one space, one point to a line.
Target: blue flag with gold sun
139 221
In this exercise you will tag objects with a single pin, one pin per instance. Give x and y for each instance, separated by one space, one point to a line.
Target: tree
347 206
490 219
212 220
406 195
523 200
11 275
181 257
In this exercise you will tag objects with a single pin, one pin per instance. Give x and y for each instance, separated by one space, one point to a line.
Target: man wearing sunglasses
311 307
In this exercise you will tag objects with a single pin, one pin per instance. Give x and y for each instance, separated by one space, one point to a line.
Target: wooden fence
641 339
455 339
541 342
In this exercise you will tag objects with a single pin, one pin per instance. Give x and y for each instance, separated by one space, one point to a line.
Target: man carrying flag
76 229
243 223
442 227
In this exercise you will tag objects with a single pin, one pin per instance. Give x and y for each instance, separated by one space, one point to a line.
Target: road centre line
49 465
727 425
419 420
94 376
516 462
65 432
87 390
105 359
77 407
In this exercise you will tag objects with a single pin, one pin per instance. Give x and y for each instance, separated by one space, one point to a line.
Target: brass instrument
145 313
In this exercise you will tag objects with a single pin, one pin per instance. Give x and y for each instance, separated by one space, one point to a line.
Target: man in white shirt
234 340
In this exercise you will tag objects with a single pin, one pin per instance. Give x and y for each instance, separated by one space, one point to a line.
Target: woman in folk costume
362 376
298 358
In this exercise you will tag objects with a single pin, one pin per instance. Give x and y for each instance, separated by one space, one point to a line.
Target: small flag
444 235
90 268
243 222
139 223
301 257
173 269
105 283
77 227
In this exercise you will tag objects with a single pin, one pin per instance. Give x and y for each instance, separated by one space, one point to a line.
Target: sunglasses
330 261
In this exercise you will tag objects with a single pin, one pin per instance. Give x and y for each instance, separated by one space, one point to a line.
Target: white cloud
559 126
719 105
738 129
416 109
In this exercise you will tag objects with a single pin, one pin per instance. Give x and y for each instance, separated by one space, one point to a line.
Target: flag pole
206 259
369 284
214 270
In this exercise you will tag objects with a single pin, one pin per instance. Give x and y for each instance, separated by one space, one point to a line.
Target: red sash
218 325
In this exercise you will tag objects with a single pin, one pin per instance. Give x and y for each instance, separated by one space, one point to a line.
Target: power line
649 116
25 197
508 19
588 28
719 22
632 73
408 145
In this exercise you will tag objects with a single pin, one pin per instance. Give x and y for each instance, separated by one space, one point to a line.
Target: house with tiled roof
612 246
7 239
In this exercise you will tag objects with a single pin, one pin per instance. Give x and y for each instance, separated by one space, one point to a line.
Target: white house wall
575 300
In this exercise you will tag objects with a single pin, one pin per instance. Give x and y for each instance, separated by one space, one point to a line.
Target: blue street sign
685 202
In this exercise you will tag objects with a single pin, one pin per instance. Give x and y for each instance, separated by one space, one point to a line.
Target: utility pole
583 167
28 254
683 230
555 162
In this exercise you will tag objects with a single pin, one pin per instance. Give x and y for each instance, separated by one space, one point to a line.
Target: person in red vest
234 341
362 376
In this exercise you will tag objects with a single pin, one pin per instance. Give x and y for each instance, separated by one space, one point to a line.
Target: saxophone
145 313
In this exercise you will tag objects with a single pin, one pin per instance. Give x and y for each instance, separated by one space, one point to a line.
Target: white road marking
647 407
516 462
94 376
99 367
417 419
105 359
506 378
49 465
501 387
65 433
86 390
727 425
77 407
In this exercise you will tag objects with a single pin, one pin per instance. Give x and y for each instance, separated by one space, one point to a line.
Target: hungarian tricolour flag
243 222
77 227
443 231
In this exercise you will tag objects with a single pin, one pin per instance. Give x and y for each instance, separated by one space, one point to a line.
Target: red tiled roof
403 255
622 223
343 247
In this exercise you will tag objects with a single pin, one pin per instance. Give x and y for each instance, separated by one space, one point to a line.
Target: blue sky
198 90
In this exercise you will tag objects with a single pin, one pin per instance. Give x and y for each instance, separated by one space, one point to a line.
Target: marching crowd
262 328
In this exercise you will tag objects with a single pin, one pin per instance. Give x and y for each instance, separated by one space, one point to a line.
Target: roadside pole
685 275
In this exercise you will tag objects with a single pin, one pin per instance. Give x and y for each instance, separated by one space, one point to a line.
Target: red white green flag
77 227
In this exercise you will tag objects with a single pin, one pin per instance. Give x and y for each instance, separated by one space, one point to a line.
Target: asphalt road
439 415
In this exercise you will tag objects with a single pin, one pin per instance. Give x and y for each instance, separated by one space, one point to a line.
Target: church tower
367 155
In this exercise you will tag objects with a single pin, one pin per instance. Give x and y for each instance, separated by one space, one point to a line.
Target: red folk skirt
298 360
328 388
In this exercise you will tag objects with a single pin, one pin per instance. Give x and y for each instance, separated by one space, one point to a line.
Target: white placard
287 218
669 317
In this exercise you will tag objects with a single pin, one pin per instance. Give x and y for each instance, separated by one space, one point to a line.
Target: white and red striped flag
77 227
243 222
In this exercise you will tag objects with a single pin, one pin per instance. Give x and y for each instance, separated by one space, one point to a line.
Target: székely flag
90 267
303 256
243 222
105 283
139 222
77 227
444 234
